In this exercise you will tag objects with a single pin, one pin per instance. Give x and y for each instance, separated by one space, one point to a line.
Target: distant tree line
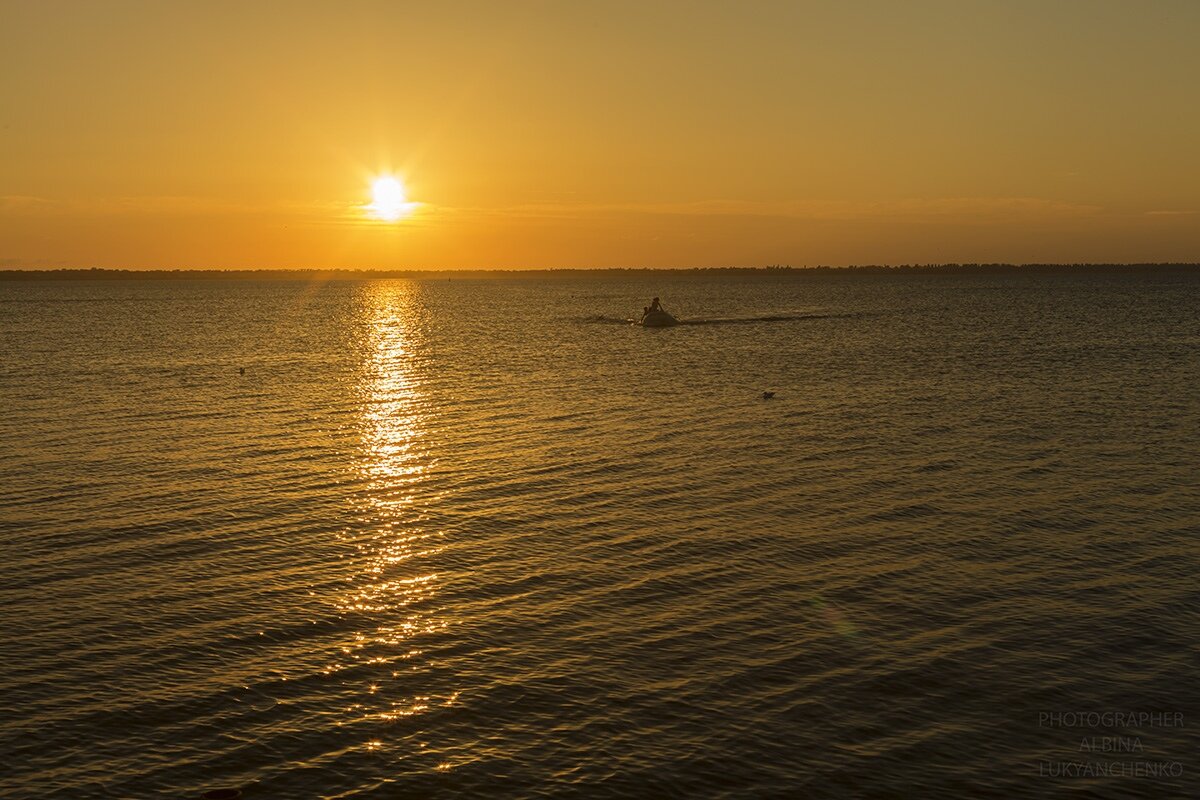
467 274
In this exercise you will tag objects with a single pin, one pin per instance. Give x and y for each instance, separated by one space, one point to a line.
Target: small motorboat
657 319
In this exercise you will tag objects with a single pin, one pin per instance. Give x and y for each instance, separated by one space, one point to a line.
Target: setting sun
389 201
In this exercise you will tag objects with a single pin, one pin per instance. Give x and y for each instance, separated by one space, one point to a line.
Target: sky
249 134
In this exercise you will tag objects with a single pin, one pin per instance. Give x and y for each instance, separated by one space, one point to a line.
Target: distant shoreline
417 274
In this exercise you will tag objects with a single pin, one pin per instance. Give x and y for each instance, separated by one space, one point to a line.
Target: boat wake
766 318
601 319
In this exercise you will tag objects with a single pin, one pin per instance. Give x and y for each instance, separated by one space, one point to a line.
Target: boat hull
658 319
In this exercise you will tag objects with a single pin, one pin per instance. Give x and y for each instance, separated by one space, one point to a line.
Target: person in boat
654 306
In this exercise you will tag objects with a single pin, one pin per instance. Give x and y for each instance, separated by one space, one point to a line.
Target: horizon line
83 272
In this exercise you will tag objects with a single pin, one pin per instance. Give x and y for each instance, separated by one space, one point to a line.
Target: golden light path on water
396 588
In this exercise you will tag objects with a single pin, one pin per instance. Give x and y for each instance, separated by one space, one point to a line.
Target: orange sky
571 134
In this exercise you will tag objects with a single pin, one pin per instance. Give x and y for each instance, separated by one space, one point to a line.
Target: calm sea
471 538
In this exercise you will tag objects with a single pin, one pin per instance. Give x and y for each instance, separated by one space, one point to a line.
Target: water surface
371 539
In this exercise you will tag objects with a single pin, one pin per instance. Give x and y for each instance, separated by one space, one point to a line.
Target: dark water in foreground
469 538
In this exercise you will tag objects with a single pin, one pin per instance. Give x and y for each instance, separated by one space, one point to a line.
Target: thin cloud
143 205
971 209
24 204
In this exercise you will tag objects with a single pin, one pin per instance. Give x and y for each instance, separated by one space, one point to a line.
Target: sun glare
389 202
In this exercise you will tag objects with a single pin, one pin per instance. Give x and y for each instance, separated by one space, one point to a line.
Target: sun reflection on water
396 584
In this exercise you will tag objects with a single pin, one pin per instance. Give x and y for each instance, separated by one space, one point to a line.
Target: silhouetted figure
768 395
654 306
242 371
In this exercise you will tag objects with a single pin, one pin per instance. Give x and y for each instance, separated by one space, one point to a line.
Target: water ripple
397 538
